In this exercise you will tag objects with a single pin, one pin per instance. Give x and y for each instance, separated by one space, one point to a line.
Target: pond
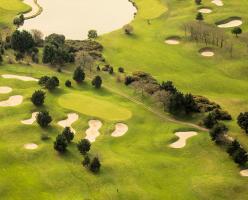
74 18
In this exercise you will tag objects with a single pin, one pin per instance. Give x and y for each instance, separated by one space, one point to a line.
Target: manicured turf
94 106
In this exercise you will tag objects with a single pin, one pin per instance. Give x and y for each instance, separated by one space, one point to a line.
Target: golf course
123 100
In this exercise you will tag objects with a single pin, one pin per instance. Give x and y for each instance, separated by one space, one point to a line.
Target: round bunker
31 120
207 52
71 118
120 130
174 40
31 146
230 22
244 173
22 78
218 2
5 90
12 101
183 136
93 131
205 10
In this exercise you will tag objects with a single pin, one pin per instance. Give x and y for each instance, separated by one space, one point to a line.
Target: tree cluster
63 140
43 119
49 83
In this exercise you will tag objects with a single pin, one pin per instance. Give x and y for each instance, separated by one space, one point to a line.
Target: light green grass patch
94 107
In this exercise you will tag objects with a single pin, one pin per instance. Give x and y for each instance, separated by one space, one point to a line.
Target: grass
95 106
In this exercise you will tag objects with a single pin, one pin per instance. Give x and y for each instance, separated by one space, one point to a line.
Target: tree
69 135
189 104
43 119
176 103
38 98
240 156
92 34
19 21
84 60
210 120
198 2
52 83
97 82
234 146
60 143
128 29
218 132
95 165
84 146
79 75
237 31
128 80
22 41
121 70
243 121
43 80
86 161
37 36
68 83
199 17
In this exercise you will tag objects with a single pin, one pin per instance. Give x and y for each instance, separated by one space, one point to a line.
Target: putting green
94 107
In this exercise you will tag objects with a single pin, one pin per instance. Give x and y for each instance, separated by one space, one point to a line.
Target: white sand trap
71 118
31 146
5 90
232 23
12 101
22 78
218 2
172 40
93 131
207 53
120 130
33 5
31 120
205 10
183 136
244 172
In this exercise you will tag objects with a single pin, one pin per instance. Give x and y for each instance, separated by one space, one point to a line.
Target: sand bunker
244 172
205 10
35 9
183 136
22 78
31 146
31 120
12 101
120 130
207 53
5 90
218 2
231 24
172 40
93 131
71 118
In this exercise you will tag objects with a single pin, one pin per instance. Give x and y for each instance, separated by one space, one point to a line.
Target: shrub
168 86
198 2
97 82
218 132
237 31
221 114
176 103
43 80
68 83
111 70
121 69
79 75
43 119
95 165
128 29
38 98
51 83
243 121
84 146
199 17
210 120
128 80
69 135
86 161
60 143
92 34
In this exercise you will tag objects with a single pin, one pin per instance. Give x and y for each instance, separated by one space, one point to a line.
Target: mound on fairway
12 101
120 130
30 146
205 10
218 2
31 120
22 78
173 40
95 107
244 172
71 118
93 131
183 136
5 90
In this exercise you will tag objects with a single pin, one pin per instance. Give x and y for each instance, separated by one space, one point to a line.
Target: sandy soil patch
22 78
93 131
30 146
218 2
120 130
71 118
12 101
33 5
205 10
31 120
207 53
244 172
5 90
231 24
183 136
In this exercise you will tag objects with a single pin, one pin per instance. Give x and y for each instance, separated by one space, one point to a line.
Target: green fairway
94 106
